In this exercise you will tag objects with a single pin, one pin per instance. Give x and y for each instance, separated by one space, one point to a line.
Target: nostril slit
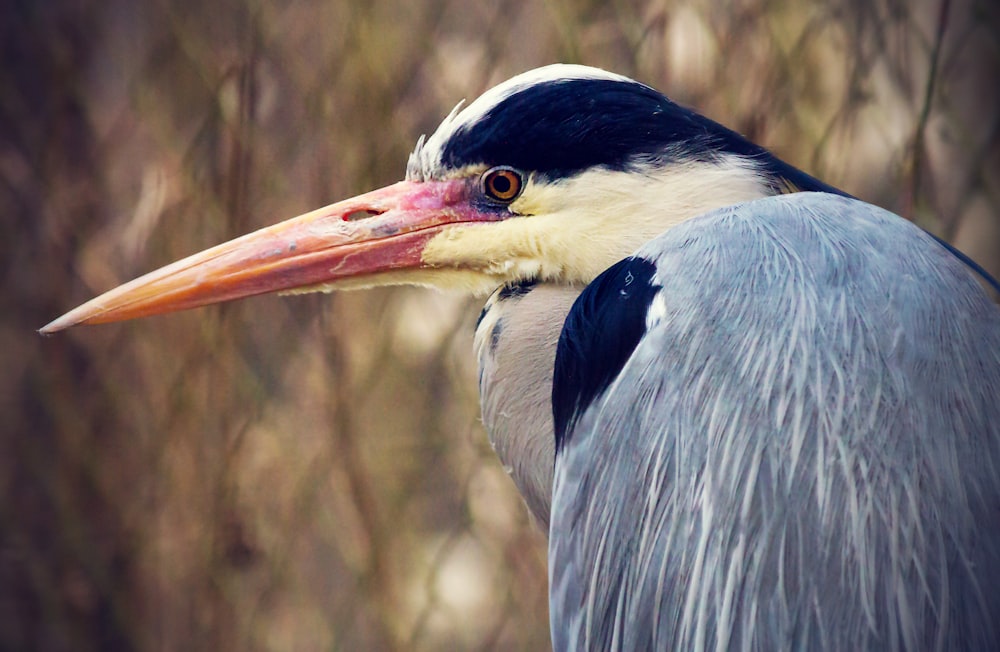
361 214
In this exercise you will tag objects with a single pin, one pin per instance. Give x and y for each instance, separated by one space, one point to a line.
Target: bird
750 410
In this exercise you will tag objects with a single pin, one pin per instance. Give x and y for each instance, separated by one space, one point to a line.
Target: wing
801 452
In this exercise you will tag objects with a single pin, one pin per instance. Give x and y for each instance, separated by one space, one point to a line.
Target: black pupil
501 184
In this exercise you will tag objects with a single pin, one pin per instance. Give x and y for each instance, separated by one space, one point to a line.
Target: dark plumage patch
482 315
518 289
601 331
495 336
561 127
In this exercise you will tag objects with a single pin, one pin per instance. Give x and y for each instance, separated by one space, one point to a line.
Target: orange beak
386 229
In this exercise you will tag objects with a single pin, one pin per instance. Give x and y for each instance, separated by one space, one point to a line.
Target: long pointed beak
379 231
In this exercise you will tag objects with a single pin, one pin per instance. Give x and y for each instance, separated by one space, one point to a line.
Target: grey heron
749 417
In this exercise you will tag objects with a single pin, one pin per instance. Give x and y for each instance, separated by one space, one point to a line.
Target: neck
516 345
602 218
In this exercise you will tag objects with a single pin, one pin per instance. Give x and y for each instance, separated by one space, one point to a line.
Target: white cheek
517 268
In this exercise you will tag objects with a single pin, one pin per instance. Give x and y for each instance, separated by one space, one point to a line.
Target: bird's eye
502 184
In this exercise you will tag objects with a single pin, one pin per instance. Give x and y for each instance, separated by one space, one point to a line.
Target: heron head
551 176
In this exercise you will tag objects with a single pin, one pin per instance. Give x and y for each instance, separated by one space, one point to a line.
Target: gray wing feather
802 452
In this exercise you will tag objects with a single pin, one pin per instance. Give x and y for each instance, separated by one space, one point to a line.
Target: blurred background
310 472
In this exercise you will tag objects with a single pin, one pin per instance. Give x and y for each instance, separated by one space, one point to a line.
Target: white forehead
425 161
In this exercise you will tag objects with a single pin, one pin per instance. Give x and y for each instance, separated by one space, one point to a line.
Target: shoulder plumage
602 329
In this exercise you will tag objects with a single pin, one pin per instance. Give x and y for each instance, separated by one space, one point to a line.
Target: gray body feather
803 452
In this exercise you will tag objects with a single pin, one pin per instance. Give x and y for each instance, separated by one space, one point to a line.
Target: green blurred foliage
309 472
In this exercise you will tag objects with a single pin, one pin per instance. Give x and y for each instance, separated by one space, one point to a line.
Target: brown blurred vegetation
309 472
